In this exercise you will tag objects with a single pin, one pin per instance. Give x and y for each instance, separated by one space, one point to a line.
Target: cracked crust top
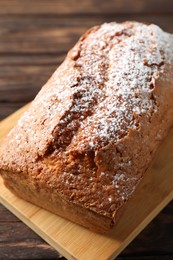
91 131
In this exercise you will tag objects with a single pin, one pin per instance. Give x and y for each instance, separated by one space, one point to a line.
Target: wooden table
35 37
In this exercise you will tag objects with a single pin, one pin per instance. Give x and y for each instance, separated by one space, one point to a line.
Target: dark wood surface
35 36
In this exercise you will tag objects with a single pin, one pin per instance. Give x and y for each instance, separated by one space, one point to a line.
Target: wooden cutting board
75 242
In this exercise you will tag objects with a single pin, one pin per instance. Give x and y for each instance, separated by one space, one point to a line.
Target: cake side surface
91 132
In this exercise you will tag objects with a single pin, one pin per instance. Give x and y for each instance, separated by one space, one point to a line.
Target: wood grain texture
89 6
37 34
56 35
76 242
23 82
150 243
15 246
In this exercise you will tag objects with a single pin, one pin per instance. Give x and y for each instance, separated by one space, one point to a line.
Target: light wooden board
75 242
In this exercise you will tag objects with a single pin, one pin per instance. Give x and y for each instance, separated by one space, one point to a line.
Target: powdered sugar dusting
108 83
133 56
75 134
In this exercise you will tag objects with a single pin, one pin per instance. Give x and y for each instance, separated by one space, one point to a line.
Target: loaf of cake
90 134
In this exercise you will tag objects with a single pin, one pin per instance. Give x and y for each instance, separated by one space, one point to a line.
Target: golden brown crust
89 135
55 203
